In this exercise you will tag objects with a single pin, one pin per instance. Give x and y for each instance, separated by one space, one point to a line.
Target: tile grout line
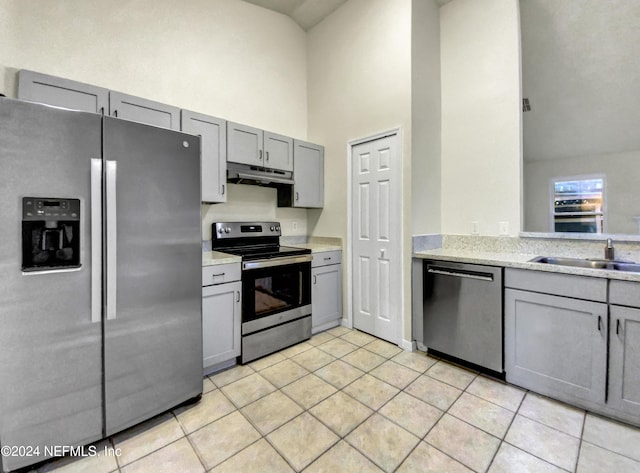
502 440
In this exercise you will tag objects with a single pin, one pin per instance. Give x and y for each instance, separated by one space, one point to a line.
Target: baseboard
407 345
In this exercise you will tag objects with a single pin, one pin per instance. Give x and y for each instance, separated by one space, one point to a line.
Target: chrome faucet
609 252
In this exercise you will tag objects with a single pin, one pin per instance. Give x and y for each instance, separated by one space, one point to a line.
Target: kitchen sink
611 265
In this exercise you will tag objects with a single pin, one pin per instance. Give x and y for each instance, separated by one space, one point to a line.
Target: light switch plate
475 228
503 228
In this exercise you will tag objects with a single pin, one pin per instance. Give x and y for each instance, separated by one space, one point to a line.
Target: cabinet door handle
101 110
115 113
315 279
238 296
328 259
267 155
617 326
297 196
600 323
259 155
223 189
217 275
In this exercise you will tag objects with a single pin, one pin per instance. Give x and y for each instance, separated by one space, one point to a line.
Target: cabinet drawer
624 293
220 274
567 285
325 258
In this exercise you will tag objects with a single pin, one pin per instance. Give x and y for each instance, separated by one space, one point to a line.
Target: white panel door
376 219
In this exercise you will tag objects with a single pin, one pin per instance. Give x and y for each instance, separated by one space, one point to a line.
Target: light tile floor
347 402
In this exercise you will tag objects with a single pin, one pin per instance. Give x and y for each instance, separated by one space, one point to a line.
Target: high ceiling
307 13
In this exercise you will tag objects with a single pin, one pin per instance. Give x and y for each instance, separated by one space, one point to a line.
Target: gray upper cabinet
213 163
142 110
244 144
59 92
308 190
249 145
278 151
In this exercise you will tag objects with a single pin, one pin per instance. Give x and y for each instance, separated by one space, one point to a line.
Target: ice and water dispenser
50 233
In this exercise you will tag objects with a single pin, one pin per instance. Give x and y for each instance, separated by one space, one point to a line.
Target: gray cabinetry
308 190
556 345
624 348
581 351
624 360
213 134
142 110
326 296
59 92
249 145
221 316
244 144
278 151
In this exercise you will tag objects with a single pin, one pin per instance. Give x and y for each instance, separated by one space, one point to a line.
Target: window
577 204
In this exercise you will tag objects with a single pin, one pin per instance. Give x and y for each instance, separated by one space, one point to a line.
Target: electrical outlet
294 225
475 228
503 228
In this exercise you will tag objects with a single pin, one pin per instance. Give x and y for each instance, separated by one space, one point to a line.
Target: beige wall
226 58
481 144
425 118
359 84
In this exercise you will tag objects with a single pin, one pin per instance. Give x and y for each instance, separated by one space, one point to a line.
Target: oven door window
268 291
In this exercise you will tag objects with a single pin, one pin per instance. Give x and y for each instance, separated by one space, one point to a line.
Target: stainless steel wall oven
276 286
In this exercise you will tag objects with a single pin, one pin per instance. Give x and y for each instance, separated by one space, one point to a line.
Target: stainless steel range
276 286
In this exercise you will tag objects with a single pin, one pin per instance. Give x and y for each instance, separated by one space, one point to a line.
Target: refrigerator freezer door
50 350
153 340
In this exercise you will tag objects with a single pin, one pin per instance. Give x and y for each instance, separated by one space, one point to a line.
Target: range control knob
221 230
272 228
278 228
227 230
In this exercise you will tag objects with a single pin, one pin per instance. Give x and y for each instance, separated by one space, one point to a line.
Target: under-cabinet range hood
247 174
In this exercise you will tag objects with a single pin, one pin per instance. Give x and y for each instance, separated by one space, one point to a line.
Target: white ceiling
307 13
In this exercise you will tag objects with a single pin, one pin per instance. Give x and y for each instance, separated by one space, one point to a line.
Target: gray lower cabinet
221 319
249 145
130 107
308 190
584 352
624 360
556 345
59 92
326 287
624 348
213 135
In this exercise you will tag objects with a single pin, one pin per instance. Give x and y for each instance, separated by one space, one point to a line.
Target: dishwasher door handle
459 274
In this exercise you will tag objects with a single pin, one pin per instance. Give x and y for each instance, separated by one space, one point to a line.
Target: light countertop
317 247
519 260
210 258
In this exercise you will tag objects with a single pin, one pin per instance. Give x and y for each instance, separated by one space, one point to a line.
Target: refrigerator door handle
96 240
111 220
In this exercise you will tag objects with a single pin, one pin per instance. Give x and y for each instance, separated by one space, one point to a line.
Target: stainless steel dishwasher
462 312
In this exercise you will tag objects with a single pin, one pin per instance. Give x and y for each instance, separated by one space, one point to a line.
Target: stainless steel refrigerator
100 276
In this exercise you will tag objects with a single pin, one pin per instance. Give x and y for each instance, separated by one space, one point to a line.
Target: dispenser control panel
50 234
38 208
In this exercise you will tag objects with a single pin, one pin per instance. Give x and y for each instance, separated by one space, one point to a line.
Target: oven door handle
268 263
